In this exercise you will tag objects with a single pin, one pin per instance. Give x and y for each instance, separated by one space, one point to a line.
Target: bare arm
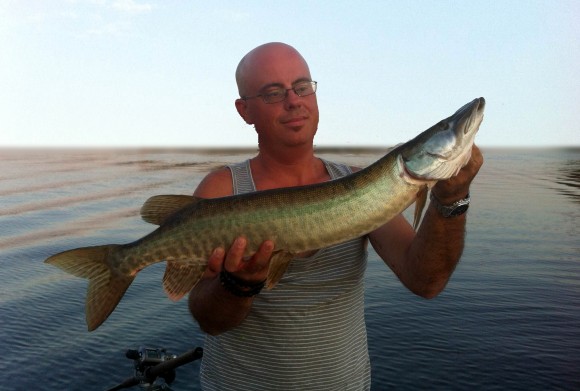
214 308
424 261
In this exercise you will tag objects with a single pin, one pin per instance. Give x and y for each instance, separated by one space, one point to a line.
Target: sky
146 73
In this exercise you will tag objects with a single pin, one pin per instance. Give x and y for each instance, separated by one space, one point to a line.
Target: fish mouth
441 151
469 109
469 113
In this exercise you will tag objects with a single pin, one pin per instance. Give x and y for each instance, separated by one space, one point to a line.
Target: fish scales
297 219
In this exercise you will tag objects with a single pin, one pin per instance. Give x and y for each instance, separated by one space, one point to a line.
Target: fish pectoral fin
278 265
157 209
420 205
181 276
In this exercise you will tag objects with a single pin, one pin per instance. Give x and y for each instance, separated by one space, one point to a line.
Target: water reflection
513 298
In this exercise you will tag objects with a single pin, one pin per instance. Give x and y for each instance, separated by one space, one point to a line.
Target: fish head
442 150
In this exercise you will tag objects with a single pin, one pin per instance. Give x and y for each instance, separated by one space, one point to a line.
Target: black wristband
240 287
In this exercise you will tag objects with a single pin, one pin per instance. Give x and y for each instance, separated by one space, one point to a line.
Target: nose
292 99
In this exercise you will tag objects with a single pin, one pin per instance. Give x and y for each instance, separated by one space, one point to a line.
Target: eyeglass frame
313 83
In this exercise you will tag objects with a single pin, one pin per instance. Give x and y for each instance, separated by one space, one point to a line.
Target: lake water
508 320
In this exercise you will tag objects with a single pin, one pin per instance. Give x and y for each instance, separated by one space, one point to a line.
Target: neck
294 167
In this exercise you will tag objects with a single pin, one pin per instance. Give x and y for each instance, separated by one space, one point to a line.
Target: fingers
215 263
254 268
235 255
472 167
457 187
264 253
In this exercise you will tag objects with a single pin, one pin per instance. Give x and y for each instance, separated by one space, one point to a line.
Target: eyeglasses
275 95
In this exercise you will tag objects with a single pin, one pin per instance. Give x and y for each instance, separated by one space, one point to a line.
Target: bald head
262 60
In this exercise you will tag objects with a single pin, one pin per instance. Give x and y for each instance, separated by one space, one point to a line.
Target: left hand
457 187
252 269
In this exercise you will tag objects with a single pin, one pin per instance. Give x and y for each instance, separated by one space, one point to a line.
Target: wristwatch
455 209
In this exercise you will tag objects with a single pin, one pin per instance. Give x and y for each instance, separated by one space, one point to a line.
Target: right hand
253 269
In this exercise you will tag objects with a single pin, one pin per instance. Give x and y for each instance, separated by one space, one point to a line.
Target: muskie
297 219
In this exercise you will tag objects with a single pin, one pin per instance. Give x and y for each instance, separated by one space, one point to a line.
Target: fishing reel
151 363
145 358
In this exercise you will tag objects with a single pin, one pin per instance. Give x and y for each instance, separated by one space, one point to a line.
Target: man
308 332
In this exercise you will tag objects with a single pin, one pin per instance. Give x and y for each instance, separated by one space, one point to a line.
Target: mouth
294 121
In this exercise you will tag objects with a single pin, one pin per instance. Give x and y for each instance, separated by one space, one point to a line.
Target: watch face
461 209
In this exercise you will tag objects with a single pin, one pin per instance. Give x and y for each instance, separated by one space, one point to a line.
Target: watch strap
455 209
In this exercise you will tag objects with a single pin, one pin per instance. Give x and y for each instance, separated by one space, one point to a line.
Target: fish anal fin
157 209
419 206
278 266
181 276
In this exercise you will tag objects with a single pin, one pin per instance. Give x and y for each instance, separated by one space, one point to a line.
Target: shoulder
216 184
337 169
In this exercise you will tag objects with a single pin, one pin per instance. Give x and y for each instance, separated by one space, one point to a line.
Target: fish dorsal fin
181 276
420 205
157 209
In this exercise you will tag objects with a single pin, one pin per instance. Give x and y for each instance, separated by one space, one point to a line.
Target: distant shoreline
211 150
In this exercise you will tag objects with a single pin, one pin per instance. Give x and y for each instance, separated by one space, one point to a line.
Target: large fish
297 219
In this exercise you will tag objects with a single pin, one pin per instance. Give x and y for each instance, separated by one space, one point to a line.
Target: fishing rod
154 363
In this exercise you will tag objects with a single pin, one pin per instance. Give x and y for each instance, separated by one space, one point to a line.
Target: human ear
242 107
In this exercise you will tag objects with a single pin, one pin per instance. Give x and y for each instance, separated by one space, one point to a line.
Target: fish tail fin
106 284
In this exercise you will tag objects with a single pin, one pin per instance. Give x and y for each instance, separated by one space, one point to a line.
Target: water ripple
507 320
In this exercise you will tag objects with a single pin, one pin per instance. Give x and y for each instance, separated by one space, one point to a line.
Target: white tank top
308 333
